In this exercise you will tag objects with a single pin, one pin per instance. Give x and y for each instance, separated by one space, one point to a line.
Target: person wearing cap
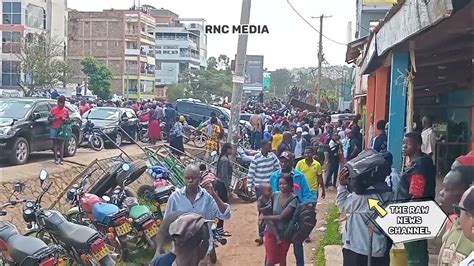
298 145
301 190
355 236
458 242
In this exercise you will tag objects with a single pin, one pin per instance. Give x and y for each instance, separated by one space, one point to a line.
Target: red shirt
60 115
86 107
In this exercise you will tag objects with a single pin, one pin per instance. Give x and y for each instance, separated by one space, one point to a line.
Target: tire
213 256
200 141
20 152
118 139
143 136
185 139
137 168
96 142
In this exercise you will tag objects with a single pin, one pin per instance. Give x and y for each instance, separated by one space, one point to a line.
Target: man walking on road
260 170
256 122
301 190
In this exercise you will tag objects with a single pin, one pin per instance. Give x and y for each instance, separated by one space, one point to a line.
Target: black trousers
221 190
351 258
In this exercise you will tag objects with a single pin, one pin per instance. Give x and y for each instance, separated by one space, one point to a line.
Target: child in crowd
265 207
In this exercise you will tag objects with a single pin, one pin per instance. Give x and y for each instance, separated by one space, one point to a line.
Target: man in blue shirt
195 199
301 190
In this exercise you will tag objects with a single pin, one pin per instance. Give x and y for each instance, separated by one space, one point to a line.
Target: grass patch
331 236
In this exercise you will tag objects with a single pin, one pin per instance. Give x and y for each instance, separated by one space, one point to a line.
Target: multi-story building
369 13
124 40
181 45
22 17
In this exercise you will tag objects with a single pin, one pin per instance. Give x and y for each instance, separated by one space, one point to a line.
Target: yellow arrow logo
374 203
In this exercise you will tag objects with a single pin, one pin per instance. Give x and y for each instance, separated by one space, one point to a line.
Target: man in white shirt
429 138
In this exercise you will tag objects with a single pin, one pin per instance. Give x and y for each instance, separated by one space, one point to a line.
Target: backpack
302 222
368 169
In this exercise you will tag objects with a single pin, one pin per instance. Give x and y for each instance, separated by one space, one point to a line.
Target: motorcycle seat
20 247
138 211
76 235
7 230
102 211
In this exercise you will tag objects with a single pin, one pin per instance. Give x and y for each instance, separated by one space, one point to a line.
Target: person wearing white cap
298 145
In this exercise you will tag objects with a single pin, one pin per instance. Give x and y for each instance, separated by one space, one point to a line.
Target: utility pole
320 58
238 78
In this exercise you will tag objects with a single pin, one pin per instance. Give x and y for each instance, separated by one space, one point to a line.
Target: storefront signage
10 93
413 17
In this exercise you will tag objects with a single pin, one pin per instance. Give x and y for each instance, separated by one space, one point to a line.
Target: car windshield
225 111
14 109
103 114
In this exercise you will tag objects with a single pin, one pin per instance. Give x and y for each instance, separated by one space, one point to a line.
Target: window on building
11 42
35 17
158 66
11 13
99 43
10 73
116 44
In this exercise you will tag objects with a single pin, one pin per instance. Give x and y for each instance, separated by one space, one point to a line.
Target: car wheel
118 139
21 151
70 146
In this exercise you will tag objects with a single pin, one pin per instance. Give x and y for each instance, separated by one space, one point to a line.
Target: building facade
22 17
369 13
181 45
124 40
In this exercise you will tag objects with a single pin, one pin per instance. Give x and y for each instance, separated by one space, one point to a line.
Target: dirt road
241 248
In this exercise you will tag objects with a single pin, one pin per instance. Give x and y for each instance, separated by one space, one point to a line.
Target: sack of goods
368 169
302 223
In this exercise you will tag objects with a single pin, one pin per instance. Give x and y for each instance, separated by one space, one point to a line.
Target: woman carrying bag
60 128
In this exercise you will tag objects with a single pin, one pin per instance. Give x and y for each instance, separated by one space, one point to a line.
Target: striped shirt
261 168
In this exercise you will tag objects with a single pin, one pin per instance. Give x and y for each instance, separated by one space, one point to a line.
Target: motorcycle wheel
186 139
213 256
120 248
143 136
96 142
200 141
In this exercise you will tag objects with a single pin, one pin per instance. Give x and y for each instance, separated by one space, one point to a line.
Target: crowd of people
298 156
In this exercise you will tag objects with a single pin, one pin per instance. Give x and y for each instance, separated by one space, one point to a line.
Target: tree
282 80
42 61
175 91
99 77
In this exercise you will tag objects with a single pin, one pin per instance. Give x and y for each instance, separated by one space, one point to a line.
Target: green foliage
216 80
42 60
99 76
175 91
331 236
282 81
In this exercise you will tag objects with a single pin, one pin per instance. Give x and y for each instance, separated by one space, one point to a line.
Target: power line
307 22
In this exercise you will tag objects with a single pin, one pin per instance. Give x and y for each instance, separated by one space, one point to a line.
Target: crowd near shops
295 158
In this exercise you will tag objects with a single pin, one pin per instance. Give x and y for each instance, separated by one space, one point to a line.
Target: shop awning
354 49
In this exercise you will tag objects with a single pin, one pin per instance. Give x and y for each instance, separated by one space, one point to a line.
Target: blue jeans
257 139
331 176
299 253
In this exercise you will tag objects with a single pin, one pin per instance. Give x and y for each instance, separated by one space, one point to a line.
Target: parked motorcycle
156 196
193 134
143 132
109 219
145 226
19 250
81 244
93 136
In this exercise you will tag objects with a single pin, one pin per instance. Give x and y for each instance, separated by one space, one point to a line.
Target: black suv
196 112
113 121
24 128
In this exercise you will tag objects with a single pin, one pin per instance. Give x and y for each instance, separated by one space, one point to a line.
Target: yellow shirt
311 172
276 141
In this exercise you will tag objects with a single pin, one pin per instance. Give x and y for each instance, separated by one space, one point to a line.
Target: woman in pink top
59 114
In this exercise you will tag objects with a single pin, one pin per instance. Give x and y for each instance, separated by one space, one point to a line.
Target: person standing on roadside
298 145
170 116
301 190
380 142
154 127
256 123
261 168
429 138
313 172
417 182
334 156
355 146
285 144
223 177
58 116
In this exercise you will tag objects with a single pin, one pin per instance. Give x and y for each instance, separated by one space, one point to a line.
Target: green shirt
456 246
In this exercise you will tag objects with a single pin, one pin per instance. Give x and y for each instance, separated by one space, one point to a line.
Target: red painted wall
371 88
381 85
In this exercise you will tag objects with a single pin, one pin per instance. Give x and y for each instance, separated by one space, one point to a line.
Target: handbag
65 130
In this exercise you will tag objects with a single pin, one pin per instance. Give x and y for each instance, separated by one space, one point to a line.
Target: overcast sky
290 43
